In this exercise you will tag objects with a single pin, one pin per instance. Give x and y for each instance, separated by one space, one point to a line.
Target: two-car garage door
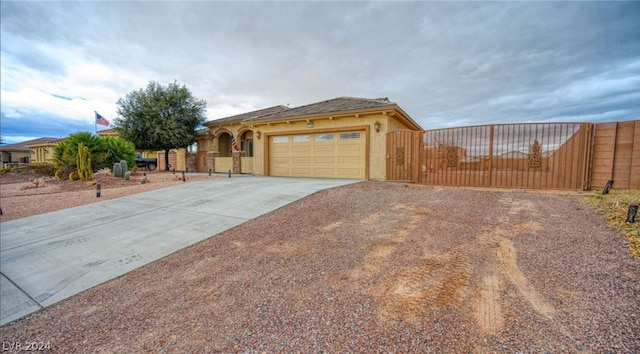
330 154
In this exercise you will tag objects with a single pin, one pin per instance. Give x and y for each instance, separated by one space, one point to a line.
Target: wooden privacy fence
532 156
616 155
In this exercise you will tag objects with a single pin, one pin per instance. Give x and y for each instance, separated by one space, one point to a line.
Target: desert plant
5 169
117 170
124 165
45 169
127 175
84 163
65 154
118 149
74 176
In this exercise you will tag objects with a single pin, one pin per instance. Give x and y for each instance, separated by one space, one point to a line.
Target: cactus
83 162
127 175
74 176
117 170
124 166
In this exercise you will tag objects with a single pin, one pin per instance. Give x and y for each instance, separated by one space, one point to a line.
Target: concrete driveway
50 257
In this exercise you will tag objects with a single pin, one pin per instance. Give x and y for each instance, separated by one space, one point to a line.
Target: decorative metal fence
531 156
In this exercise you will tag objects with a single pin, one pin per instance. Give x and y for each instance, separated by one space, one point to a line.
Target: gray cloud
445 63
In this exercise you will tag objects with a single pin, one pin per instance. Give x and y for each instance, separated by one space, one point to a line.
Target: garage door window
280 139
324 137
301 138
348 136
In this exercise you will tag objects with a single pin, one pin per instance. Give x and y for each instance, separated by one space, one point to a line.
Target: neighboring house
107 132
343 137
30 151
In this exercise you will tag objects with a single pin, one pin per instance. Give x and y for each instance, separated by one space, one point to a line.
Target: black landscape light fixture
632 213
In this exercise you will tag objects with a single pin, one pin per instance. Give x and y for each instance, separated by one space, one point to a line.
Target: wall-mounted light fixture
258 134
376 126
310 125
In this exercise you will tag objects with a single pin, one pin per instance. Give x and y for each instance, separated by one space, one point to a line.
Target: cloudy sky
445 63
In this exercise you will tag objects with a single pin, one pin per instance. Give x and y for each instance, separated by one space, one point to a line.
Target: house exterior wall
177 159
41 154
389 119
15 156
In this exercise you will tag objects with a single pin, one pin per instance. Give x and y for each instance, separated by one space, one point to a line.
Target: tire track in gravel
506 254
448 279
489 310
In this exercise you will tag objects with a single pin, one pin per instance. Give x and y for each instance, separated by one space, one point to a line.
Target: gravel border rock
372 267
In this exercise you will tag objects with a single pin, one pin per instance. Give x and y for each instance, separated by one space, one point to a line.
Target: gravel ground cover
372 267
19 198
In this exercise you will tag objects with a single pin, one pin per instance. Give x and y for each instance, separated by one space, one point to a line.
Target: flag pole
95 121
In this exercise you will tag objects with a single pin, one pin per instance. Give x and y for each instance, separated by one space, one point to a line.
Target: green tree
160 117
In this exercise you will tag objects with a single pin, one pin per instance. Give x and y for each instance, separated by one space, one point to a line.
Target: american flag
234 143
101 120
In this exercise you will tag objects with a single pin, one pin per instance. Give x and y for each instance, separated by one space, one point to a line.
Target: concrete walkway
50 257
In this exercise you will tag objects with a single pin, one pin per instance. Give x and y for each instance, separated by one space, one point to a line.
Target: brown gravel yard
372 267
17 201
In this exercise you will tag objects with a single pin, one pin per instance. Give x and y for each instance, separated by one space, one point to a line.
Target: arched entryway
224 144
246 143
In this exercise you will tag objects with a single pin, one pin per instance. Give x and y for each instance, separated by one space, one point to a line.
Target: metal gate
531 156
403 155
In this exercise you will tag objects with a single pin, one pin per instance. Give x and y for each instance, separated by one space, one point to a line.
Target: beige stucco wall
376 141
394 124
41 153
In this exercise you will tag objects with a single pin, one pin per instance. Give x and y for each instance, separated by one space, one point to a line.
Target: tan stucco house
343 137
31 151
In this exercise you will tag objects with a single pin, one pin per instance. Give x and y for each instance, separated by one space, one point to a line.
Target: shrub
103 152
45 169
65 154
117 150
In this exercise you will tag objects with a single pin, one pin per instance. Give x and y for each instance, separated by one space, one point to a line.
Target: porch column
191 162
236 155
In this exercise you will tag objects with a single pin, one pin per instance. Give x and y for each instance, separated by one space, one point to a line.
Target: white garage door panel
333 155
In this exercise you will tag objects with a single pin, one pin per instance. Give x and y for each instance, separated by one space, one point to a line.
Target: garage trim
366 129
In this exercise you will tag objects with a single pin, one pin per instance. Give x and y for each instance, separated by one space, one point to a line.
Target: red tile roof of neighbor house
24 146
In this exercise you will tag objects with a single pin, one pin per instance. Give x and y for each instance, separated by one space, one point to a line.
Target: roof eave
335 114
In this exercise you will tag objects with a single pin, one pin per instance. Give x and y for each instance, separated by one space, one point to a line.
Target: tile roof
246 116
340 104
24 146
